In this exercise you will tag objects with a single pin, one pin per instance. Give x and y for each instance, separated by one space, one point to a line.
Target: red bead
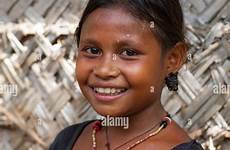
97 126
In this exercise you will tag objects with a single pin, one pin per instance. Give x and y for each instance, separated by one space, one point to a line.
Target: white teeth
101 90
108 90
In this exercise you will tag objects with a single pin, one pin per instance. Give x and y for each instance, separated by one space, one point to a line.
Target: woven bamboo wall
38 95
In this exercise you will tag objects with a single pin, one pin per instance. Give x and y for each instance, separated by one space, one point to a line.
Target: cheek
146 73
83 68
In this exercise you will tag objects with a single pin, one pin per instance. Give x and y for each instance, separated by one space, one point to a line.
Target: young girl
128 50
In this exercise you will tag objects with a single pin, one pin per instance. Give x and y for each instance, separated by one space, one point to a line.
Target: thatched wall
38 96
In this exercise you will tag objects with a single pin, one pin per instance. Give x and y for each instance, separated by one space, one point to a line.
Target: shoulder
66 138
171 136
178 138
192 145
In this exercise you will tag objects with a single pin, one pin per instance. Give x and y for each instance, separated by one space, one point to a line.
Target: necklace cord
162 125
107 138
136 137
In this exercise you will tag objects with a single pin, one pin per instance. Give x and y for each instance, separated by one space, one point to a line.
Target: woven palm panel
39 95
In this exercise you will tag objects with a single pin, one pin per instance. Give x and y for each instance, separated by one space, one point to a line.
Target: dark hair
166 14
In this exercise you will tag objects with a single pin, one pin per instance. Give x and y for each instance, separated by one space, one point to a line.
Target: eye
129 52
92 51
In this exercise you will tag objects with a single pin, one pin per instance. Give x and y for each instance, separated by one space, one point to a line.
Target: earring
172 81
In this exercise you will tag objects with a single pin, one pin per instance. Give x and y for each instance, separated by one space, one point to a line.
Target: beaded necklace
163 124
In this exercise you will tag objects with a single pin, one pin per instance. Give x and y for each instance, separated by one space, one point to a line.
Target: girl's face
118 52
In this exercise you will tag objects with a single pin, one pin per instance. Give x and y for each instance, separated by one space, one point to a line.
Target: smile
109 91
108 94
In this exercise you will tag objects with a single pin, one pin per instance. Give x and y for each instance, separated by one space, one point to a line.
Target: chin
109 112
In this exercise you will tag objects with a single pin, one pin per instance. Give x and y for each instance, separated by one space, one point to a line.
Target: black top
66 138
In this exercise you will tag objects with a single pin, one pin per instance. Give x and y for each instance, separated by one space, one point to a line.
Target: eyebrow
126 42
120 43
90 41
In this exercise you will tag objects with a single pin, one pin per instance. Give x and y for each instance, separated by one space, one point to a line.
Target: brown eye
129 52
92 51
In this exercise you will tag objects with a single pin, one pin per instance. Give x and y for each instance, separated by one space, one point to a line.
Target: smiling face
119 66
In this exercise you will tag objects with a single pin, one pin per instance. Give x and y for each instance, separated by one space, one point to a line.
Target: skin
119 49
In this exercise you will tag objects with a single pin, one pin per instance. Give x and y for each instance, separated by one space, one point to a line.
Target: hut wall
39 95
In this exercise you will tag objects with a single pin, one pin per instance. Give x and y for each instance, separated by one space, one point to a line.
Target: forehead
109 26
117 19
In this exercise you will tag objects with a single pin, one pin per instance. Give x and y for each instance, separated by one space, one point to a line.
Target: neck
141 121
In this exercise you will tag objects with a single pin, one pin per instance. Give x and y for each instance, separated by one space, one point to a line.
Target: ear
176 57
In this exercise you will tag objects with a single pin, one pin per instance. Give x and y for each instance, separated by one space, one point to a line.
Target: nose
106 69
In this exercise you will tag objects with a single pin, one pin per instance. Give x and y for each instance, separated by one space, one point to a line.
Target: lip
103 85
107 98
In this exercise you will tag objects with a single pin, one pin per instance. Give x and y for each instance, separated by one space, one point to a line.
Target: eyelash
133 51
90 53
